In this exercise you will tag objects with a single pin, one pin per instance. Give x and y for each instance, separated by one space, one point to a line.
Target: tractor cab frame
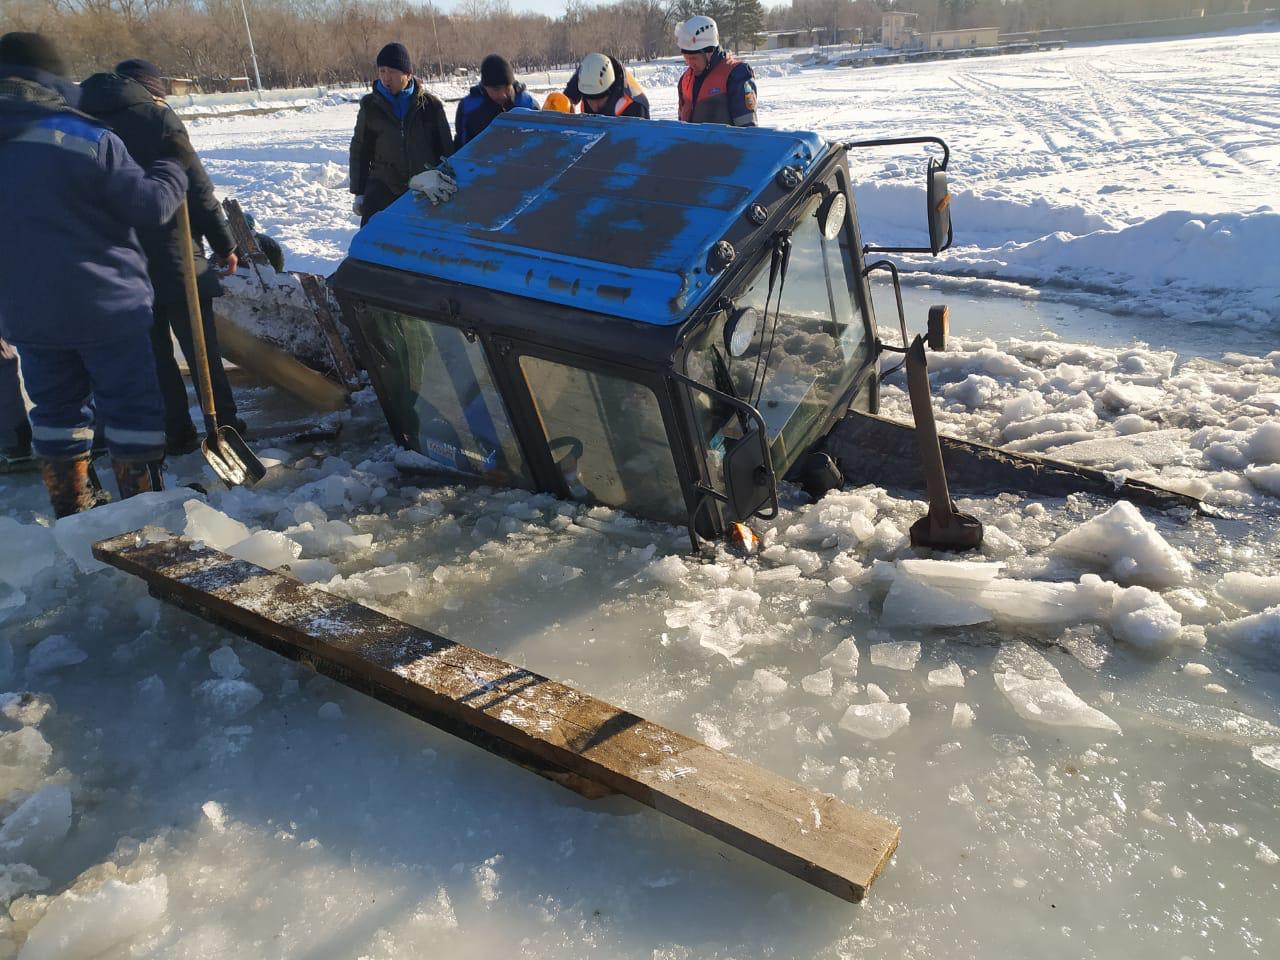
659 317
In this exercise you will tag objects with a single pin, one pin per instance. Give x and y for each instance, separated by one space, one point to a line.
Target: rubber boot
138 476
69 485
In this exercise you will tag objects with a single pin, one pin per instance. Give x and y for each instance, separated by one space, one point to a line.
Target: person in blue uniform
497 92
79 312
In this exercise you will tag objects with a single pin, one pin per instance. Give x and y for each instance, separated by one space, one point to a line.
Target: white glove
436 185
357 205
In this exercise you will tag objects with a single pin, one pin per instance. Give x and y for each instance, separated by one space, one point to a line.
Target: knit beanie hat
496 72
395 56
32 50
144 72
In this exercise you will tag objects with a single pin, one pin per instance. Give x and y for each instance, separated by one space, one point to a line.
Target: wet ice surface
1096 723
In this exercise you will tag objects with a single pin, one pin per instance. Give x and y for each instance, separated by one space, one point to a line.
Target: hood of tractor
619 217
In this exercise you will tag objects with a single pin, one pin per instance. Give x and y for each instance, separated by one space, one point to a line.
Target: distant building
178 86
808 37
897 29
956 39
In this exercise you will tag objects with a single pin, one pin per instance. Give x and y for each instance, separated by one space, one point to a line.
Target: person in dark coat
606 88
497 92
75 298
131 102
401 130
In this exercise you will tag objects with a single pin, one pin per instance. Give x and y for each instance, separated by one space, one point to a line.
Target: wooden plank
246 244
318 296
812 835
271 364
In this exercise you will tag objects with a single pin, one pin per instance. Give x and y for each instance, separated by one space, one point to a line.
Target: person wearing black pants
131 101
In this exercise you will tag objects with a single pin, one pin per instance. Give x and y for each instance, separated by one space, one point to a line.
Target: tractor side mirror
748 475
939 207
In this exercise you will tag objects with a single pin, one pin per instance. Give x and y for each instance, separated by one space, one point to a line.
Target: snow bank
1193 266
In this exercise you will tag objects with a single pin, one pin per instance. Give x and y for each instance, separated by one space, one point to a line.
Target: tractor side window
607 436
443 397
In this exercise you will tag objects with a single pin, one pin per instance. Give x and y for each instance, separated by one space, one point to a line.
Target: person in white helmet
605 87
715 87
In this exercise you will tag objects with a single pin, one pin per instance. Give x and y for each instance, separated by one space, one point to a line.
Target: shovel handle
204 384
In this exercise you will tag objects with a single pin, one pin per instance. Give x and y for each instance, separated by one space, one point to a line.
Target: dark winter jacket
390 150
150 129
74 274
476 111
624 98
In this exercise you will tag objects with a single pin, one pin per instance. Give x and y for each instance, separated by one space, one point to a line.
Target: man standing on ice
74 295
401 130
715 88
131 103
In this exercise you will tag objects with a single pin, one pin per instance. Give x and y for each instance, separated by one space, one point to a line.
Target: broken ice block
266 548
1052 702
913 602
962 716
896 654
819 684
1142 619
1124 543
948 676
875 721
212 527
844 658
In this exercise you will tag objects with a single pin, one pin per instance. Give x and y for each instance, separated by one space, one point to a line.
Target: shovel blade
231 459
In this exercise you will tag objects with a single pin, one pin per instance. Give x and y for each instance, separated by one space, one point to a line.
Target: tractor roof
613 216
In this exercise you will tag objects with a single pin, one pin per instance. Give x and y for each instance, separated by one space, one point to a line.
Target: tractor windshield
809 345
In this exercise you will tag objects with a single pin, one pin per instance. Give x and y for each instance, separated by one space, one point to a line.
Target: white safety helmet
595 75
697 34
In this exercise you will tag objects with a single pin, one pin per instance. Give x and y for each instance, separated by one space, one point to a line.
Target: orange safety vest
712 105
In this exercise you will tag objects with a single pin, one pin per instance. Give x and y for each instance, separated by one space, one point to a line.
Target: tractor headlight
741 331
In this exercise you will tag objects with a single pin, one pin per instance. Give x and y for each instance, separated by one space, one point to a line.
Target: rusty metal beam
521 715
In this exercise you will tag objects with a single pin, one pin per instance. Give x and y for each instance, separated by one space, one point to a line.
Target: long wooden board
521 715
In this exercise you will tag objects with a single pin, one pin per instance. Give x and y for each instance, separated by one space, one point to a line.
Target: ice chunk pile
942 593
721 622
1127 546
266 548
1037 691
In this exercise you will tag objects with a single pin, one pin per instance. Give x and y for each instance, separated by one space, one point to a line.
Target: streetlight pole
257 77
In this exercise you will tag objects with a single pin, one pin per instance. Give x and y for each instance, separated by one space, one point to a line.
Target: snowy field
1078 729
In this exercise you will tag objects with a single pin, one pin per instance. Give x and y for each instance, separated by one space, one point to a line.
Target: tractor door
792 339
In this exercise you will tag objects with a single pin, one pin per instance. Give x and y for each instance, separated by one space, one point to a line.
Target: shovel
224 449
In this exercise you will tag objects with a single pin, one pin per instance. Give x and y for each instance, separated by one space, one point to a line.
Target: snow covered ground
1079 729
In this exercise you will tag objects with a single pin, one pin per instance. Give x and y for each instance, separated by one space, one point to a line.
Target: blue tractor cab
656 316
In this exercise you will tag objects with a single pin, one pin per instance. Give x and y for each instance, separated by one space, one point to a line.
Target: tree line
310 42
